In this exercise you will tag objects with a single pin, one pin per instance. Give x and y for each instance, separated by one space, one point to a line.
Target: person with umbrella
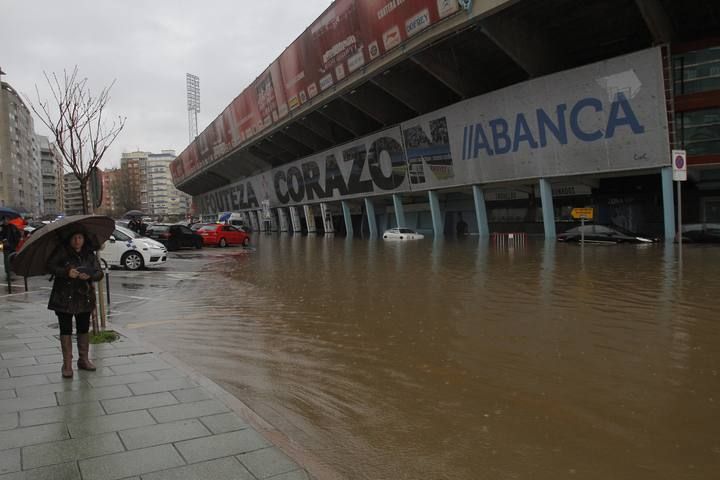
65 249
10 236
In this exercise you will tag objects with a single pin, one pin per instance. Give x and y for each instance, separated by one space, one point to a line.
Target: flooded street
455 360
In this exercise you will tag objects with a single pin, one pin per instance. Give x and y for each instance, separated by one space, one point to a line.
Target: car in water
602 234
223 235
701 232
402 233
174 237
128 250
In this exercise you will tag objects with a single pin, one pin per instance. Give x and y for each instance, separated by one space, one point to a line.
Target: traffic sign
582 213
679 164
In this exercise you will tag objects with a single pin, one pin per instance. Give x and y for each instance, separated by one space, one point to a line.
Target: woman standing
75 268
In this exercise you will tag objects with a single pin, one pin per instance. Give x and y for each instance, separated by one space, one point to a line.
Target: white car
129 250
402 233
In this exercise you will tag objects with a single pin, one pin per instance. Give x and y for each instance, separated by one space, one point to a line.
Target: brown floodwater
457 360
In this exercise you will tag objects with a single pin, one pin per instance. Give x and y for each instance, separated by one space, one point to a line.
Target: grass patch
108 336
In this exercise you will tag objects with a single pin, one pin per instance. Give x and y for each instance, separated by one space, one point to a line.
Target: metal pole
679 195
582 231
26 287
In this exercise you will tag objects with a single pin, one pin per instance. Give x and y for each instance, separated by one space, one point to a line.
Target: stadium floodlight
193 103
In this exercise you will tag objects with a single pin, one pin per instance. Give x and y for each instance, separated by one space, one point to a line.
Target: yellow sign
582 213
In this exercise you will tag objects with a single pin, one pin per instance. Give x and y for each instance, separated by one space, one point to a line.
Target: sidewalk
140 416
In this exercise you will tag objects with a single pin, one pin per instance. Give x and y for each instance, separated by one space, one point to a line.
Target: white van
129 250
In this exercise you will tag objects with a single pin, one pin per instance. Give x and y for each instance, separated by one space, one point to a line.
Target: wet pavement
453 359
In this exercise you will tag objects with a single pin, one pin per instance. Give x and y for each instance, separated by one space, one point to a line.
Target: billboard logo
312 90
374 50
356 61
431 152
294 103
303 96
391 38
326 82
417 22
340 72
446 7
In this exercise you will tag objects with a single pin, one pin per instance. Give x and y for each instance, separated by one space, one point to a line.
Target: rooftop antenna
193 103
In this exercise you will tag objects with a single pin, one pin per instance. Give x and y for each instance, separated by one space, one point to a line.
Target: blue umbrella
9 213
225 216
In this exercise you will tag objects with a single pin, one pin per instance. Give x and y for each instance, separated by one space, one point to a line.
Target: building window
700 131
697 71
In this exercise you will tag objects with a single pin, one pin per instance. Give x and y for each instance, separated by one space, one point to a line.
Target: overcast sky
147 47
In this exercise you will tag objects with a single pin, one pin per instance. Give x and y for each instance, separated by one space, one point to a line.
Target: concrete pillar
327 218
547 209
282 213
295 219
437 218
480 211
372 219
399 211
668 203
348 218
274 220
310 219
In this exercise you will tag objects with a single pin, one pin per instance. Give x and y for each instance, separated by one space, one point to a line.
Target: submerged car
701 232
131 251
402 233
174 237
602 234
223 235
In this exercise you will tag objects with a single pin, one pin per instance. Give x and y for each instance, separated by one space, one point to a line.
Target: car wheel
198 244
132 261
246 242
222 243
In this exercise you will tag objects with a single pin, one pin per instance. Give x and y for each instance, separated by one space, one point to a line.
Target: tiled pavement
136 417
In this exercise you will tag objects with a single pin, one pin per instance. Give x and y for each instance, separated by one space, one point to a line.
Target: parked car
402 233
223 235
174 237
197 226
602 234
701 232
130 251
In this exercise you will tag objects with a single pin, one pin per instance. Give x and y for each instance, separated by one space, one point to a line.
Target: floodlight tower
193 103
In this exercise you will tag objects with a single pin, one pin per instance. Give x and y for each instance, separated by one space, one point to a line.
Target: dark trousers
6 261
82 322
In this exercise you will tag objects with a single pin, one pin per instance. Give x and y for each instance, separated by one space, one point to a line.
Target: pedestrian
74 266
134 225
10 237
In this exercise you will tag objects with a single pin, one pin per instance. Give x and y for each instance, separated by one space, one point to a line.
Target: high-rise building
51 167
20 177
111 203
134 167
73 195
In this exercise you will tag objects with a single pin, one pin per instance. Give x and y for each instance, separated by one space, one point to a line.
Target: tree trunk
84 193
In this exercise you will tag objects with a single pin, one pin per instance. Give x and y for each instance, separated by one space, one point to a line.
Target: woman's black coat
72 295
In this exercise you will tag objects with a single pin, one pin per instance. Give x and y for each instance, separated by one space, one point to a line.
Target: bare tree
76 119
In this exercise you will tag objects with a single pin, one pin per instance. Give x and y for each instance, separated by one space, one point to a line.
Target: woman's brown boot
66 345
83 343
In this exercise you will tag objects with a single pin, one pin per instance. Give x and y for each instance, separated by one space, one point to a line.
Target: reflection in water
457 360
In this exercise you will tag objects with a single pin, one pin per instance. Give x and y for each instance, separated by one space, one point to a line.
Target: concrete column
668 203
437 218
348 218
372 219
480 211
547 209
327 218
399 211
282 213
310 219
274 220
295 219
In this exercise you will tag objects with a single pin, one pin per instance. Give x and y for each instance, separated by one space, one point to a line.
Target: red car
223 235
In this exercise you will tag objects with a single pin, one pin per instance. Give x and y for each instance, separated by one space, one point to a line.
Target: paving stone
109 423
143 357
113 352
41 345
18 362
155 386
110 361
139 403
9 461
217 446
29 353
268 462
34 370
8 421
47 359
296 475
15 382
20 404
168 374
63 413
5 394
225 422
89 394
187 410
70 450
136 462
15 347
222 469
120 379
151 435
21 437
56 377
192 395
52 388
4 373
140 367
66 471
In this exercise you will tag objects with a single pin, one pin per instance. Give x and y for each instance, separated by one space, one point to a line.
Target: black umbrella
32 258
8 213
133 213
